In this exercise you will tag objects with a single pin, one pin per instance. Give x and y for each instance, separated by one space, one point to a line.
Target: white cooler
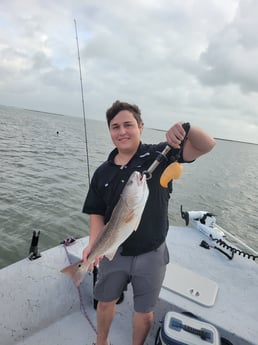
179 329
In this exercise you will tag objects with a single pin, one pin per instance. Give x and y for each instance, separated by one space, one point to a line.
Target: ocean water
44 180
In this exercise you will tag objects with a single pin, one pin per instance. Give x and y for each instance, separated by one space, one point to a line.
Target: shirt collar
114 152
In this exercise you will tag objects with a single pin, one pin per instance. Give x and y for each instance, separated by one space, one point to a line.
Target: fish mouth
141 178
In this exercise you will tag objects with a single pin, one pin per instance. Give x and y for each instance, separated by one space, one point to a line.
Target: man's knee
146 318
104 306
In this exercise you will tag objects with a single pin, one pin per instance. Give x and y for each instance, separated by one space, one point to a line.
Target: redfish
124 220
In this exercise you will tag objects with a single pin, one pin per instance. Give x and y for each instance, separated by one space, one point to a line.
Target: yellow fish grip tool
172 172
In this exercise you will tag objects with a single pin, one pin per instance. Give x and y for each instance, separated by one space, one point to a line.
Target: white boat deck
40 305
235 309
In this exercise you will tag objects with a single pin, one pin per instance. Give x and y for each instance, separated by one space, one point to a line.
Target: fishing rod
95 269
83 103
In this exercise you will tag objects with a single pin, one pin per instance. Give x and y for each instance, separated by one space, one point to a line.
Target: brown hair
117 106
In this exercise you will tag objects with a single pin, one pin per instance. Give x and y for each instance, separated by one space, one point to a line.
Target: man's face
125 132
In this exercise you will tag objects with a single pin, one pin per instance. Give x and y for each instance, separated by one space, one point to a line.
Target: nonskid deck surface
40 305
78 328
234 312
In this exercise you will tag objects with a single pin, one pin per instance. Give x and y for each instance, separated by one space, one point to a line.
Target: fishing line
67 242
95 269
83 103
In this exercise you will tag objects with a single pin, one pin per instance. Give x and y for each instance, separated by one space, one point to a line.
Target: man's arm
198 141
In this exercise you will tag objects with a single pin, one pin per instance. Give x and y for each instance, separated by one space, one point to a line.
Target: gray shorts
145 272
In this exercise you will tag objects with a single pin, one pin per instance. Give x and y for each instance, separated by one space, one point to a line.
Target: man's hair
117 106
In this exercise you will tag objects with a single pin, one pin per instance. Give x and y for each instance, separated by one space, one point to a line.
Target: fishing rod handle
159 158
162 155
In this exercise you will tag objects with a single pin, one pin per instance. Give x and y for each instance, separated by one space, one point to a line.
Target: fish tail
76 271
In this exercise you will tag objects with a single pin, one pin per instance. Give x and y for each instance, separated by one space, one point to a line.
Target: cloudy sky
192 60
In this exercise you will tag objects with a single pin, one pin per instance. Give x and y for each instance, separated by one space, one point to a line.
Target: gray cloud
231 55
177 60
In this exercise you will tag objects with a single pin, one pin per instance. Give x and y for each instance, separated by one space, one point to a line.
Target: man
131 263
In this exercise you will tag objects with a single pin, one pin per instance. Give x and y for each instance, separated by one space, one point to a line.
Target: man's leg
105 315
147 281
142 323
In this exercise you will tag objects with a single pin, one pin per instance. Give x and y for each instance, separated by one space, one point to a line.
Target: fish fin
76 272
111 255
136 226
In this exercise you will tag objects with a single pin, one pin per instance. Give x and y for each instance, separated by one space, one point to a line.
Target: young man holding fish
131 263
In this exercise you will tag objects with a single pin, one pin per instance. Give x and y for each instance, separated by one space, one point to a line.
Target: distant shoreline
43 112
222 139
155 129
32 110
236 141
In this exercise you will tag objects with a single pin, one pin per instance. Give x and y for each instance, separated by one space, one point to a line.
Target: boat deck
40 305
234 312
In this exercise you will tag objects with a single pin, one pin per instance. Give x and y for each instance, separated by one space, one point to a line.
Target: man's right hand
85 254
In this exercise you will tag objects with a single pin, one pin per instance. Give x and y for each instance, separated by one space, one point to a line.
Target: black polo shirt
107 184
